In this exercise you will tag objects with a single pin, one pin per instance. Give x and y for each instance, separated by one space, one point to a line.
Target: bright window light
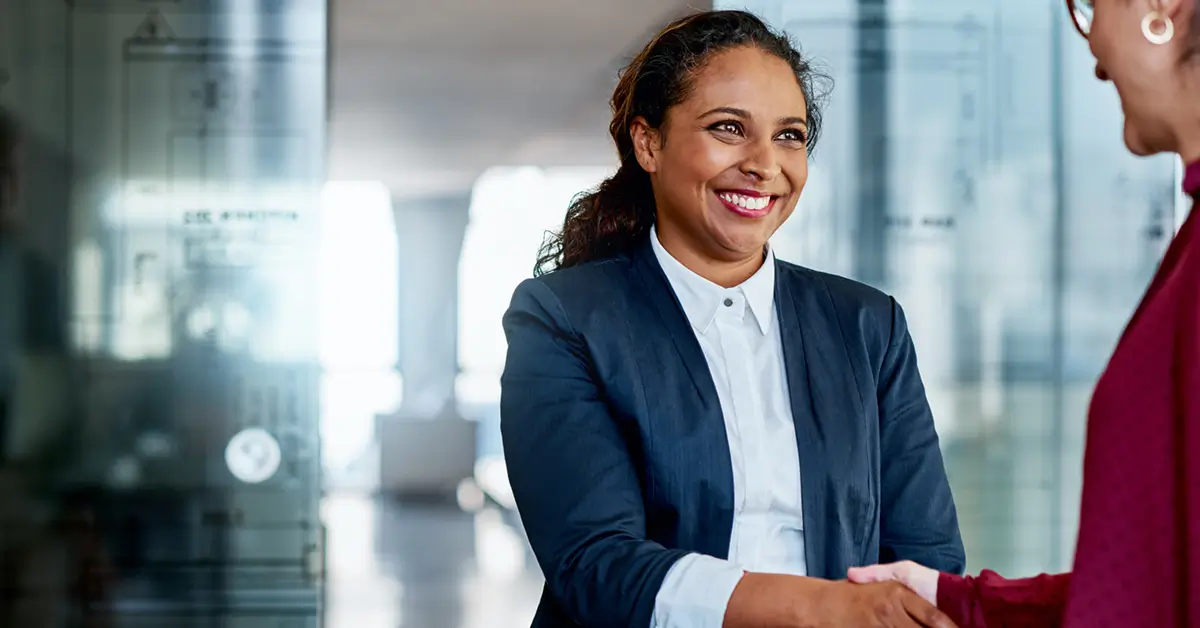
358 277
358 287
511 211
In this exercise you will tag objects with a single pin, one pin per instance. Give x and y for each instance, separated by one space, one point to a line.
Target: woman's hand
778 600
922 580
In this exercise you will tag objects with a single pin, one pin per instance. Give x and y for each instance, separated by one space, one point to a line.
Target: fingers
874 573
926 614
903 621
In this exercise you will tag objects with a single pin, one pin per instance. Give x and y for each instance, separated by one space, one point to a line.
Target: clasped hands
899 595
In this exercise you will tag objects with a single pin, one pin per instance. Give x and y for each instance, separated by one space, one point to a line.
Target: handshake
906 596
899 595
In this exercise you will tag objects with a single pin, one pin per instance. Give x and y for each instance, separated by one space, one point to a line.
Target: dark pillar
873 57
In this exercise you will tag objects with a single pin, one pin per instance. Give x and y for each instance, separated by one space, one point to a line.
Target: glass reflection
175 190
972 166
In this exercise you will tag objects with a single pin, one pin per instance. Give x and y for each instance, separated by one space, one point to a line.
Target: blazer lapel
822 391
653 283
692 415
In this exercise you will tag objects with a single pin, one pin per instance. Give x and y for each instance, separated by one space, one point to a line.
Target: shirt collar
701 298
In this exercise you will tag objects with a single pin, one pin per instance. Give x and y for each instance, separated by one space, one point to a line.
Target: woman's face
1148 77
729 162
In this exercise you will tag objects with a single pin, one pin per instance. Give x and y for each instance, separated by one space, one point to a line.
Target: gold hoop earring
1161 37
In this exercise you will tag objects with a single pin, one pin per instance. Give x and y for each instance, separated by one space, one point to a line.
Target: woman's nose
762 163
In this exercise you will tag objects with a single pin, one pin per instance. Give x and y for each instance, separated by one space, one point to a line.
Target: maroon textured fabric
1137 562
991 600
1191 180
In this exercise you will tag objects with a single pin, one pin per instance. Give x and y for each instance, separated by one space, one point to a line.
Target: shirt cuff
695 593
955 598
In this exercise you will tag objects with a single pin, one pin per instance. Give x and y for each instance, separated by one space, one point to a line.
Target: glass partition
972 165
173 200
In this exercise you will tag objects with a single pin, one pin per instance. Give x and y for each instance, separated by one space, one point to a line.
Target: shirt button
728 302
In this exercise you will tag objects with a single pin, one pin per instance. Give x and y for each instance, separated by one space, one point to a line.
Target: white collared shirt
738 330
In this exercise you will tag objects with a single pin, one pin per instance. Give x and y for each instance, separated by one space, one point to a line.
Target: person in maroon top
1137 562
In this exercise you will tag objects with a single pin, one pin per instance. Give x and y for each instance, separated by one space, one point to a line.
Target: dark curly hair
616 215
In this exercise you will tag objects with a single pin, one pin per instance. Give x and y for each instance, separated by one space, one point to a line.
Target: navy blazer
616 446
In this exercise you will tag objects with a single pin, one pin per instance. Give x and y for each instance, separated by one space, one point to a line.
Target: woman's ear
645 144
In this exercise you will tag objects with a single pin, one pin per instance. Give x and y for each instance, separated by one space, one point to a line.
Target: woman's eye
727 127
794 135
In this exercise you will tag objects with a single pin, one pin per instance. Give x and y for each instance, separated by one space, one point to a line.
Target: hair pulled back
616 215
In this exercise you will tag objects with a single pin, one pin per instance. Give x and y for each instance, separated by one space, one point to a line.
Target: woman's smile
747 203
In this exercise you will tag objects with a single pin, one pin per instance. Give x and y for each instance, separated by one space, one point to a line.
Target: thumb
867 575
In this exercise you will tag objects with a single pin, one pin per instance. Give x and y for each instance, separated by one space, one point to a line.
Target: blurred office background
306 218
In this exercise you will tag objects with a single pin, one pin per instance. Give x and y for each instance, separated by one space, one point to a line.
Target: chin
1142 144
1136 146
1138 150
743 242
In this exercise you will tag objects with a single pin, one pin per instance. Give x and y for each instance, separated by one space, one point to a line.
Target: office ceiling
426 96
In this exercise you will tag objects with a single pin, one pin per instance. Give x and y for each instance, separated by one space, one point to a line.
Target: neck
726 272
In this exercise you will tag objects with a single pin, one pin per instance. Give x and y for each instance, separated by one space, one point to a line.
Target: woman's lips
746 203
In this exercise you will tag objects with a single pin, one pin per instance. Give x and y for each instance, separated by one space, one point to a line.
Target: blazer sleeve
571 472
918 521
990 601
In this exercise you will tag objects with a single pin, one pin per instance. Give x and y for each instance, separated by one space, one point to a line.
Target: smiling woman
735 164
696 433
735 54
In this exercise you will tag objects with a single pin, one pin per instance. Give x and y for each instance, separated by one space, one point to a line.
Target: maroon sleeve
991 601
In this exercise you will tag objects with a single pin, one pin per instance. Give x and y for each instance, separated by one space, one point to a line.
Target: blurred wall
972 166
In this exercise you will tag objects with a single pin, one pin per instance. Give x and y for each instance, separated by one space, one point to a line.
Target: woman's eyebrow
732 111
742 113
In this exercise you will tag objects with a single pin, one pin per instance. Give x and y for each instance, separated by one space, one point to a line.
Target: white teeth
747 202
